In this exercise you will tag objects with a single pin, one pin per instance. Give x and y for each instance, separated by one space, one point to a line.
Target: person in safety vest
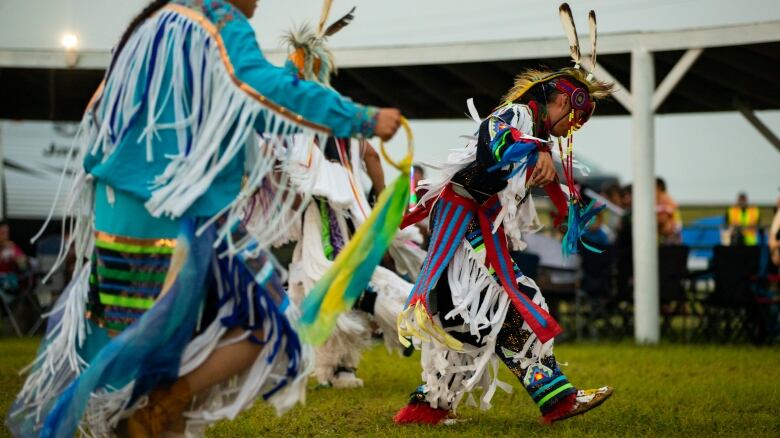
743 220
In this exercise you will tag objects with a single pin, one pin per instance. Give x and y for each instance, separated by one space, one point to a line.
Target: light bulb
70 41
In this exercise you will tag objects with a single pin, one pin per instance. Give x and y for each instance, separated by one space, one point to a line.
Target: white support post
645 240
675 74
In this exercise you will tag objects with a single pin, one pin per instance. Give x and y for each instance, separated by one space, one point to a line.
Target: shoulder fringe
215 106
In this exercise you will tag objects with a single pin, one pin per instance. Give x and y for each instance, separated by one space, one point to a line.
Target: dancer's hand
544 171
388 120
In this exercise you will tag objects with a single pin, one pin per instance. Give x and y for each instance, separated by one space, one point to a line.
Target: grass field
677 390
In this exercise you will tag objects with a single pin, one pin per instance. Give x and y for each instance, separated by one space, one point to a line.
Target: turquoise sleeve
316 103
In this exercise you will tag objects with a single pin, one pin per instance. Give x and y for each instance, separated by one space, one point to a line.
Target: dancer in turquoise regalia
175 317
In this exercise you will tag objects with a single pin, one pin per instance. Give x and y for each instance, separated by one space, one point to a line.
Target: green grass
678 390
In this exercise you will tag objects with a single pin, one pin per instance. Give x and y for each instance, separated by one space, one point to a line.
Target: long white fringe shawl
217 114
352 332
313 174
218 106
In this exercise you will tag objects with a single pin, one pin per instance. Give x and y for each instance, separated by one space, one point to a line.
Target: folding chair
730 308
15 291
47 250
672 271
6 300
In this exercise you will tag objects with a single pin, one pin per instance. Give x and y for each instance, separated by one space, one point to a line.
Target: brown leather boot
162 413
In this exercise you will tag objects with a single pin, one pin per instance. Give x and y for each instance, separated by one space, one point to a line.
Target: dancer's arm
314 102
373 168
507 142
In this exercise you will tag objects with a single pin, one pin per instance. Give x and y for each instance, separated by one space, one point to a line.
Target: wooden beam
621 93
675 75
751 117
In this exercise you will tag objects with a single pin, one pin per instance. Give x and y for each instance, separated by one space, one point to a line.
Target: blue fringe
578 223
521 153
267 304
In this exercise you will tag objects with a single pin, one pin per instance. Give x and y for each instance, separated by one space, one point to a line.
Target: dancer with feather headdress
175 317
472 306
338 207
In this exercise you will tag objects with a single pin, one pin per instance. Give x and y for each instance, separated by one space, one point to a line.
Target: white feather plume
567 21
593 37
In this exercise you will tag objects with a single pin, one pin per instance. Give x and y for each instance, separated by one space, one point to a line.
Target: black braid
147 12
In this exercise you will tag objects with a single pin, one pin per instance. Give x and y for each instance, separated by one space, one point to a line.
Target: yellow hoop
405 164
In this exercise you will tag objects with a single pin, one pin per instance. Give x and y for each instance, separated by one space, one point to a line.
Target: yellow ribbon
415 322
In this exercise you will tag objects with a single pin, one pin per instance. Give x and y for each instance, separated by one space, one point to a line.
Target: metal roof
718 79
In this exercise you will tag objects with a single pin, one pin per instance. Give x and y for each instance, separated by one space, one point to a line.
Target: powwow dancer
472 305
157 209
329 220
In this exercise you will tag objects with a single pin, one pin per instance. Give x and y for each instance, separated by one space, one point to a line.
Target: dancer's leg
166 405
224 362
535 366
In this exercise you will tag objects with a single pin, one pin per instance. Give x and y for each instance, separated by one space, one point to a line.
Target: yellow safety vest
747 220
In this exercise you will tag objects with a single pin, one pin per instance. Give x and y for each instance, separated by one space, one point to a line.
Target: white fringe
58 363
392 293
448 374
225 401
225 112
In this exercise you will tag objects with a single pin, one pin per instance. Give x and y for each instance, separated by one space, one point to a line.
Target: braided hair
147 12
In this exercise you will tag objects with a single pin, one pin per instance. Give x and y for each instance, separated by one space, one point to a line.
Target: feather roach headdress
583 90
581 86
308 52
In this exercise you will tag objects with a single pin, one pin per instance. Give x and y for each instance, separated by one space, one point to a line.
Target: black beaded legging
540 376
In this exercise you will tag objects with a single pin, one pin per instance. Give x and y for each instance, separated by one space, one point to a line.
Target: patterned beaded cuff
546 386
364 121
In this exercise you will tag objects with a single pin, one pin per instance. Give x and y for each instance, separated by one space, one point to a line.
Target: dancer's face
247 7
558 111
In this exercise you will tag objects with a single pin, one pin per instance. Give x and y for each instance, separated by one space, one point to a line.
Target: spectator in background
625 197
611 219
668 215
13 260
774 236
624 245
623 240
743 220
